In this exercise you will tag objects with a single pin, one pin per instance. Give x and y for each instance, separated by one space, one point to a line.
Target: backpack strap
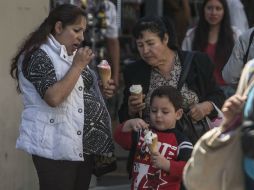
245 58
130 159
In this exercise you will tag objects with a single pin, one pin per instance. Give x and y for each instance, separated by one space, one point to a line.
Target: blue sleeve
249 106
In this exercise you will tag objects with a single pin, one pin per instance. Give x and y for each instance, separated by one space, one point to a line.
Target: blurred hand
200 110
82 58
109 90
135 104
135 125
160 162
232 107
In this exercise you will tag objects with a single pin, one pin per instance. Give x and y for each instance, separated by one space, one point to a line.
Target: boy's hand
160 162
134 124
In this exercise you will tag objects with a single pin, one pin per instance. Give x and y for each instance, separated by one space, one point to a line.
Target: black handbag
104 164
192 129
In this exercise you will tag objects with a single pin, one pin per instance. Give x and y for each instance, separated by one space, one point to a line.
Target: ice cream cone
154 146
151 139
137 90
104 72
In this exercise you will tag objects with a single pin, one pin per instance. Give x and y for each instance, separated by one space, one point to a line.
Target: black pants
63 175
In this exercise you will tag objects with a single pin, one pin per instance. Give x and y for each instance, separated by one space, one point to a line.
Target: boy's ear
179 113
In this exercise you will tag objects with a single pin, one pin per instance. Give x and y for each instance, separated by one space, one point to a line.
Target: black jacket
199 79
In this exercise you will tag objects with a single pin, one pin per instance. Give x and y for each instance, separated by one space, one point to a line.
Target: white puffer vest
54 133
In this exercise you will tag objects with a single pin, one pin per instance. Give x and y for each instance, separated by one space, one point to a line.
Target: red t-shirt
173 145
210 50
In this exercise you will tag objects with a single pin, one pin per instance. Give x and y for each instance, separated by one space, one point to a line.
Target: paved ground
117 180
112 182
116 187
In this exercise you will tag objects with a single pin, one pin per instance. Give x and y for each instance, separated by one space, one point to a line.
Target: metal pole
119 13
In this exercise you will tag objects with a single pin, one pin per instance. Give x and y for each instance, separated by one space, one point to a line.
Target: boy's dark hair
173 95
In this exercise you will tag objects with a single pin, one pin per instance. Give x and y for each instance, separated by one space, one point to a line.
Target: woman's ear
179 113
58 27
166 38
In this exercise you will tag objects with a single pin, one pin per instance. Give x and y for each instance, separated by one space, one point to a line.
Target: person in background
180 13
237 15
215 36
161 168
240 107
233 68
248 7
65 122
105 13
161 64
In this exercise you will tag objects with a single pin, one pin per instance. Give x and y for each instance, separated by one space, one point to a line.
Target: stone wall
18 18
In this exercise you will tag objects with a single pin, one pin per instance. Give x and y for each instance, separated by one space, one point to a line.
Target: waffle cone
140 95
154 146
141 99
105 75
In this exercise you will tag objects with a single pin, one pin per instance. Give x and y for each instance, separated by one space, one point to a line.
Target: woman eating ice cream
65 123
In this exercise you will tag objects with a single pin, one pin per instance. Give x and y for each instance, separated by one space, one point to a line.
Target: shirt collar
60 49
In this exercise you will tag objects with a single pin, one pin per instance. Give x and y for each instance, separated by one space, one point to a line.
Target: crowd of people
66 124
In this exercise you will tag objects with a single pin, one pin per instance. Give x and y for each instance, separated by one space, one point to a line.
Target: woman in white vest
65 122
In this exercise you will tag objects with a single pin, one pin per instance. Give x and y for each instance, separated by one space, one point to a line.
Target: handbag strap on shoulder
185 69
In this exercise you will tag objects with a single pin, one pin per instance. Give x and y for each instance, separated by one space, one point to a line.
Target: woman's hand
135 125
135 104
109 90
82 58
58 92
160 162
200 110
232 107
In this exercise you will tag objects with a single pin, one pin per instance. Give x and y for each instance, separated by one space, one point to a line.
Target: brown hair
65 13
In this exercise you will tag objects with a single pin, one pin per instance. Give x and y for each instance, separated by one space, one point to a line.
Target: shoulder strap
248 49
185 69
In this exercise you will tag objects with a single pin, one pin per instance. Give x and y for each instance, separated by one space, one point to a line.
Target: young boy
162 168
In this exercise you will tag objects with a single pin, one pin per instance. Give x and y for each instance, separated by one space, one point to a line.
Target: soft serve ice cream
137 90
104 72
151 139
